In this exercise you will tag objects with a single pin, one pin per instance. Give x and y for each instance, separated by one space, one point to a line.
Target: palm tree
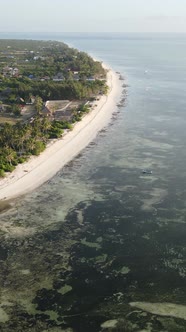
6 135
10 154
46 125
30 144
38 104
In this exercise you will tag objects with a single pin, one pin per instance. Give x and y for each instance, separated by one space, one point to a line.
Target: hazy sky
93 15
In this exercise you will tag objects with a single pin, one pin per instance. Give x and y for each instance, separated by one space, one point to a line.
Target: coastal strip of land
30 175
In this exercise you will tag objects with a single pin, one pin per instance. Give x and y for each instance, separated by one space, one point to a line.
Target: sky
93 16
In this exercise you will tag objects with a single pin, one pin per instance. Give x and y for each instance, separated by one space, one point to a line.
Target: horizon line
99 32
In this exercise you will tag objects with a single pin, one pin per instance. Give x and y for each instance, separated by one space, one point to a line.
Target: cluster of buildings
59 77
10 71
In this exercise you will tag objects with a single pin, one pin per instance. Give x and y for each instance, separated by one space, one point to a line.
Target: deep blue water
99 235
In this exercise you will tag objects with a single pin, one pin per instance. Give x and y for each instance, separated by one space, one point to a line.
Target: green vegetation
19 141
50 70
32 72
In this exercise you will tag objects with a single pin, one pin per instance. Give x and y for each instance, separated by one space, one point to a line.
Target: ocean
102 240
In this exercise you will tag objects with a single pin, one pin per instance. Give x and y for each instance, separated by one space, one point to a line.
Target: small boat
147 171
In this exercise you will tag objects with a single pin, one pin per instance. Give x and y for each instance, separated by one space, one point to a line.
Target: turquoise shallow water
101 234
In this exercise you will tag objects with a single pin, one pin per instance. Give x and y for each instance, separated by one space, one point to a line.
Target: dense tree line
19 141
69 89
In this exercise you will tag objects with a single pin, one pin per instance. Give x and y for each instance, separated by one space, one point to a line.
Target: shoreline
38 170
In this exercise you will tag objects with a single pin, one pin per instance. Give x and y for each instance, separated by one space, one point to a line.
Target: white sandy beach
38 170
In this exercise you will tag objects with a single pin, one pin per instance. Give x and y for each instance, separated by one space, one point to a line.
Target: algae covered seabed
91 249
